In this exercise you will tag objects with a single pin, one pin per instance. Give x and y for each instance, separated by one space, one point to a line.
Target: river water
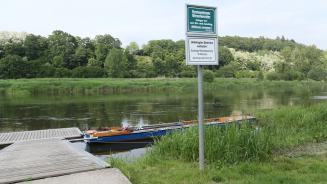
85 112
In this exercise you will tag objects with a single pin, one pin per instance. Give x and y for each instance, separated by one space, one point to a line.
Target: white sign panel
201 51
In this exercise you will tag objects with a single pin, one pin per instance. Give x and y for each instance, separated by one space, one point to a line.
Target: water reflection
86 112
127 150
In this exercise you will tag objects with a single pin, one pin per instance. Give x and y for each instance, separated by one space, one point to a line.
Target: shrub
88 72
260 76
227 71
47 71
317 74
246 74
208 76
273 76
62 72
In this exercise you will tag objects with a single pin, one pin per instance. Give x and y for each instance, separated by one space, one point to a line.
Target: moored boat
120 134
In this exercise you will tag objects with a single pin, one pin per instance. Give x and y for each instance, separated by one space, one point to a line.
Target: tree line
64 55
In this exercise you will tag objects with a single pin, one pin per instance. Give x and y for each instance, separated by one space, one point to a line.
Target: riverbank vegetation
240 155
79 86
62 55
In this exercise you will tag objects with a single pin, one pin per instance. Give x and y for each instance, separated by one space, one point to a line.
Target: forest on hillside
64 55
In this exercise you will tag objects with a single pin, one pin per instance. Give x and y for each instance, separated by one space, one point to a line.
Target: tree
35 46
302 59
12 67
132 48
131 64
116 63
84 51
159 67
14 48
94 62
103 44
144 67
63 44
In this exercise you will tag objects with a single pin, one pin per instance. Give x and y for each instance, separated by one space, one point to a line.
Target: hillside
61 54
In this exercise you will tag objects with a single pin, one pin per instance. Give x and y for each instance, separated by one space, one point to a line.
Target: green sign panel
201 19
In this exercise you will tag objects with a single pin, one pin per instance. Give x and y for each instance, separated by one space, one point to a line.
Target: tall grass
280 129
71 86
231 144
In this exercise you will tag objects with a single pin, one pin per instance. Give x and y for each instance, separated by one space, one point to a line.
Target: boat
126 134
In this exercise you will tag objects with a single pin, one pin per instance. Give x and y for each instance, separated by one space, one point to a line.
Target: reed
77 86
231 144
257 153
279 129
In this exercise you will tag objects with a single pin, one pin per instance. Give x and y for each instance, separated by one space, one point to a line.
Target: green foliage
318 74
272 76
246 74
62 72
88 72
260 76
232 144
64 45
256 44
145 67
241 154
35 46
238 57
188 71
94 62
208 76
228 71
288 75
12 67
279 129
103 44
282 169
116 63
225 56
133 48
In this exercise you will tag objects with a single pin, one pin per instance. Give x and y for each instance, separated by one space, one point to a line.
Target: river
86 112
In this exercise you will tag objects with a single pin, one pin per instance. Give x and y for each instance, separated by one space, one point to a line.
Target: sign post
201 49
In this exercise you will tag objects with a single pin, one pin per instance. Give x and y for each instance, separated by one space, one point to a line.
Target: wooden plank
34 159
64 133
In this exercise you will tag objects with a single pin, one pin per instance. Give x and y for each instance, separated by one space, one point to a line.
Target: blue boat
118 134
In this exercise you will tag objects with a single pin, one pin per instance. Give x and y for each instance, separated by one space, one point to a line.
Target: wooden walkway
29 160
64 133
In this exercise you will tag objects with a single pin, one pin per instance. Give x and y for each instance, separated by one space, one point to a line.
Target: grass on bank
239 155
301 170
79 86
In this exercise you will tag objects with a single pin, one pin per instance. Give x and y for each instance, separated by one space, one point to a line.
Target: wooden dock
35 159
63 133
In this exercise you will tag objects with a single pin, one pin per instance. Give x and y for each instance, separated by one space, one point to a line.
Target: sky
143 20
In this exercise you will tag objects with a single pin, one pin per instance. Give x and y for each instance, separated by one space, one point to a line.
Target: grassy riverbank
240 155
69 86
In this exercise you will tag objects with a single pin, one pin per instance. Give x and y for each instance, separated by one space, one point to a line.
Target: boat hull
153 133
128 137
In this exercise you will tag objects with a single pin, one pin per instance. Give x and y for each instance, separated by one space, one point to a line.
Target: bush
317 74
47 71
208 76
273 76
228 71
88 72
13 67
62 72
188 73
260 76
246 74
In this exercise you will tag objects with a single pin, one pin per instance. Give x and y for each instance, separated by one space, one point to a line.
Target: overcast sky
144 20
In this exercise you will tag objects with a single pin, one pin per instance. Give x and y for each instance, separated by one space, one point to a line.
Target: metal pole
200 118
